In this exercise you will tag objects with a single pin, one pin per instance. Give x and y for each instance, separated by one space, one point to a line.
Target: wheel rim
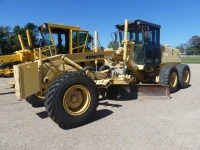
186 76
173 79
76 100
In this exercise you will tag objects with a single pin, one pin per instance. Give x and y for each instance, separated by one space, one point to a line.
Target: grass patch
190 60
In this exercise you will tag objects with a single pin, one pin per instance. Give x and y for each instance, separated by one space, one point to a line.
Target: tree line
9 41
192 47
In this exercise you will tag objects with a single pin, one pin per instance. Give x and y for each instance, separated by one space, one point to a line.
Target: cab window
79 40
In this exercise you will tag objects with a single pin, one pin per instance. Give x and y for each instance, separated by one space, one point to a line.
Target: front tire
169 76
71 99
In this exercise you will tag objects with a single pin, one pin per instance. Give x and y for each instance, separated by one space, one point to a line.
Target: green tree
194 45
9 37
113 45
22 31
14 40
194 41
2 35
183 47
34 33
6 36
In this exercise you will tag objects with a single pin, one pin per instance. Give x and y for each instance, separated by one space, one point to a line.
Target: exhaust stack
96 46
125 42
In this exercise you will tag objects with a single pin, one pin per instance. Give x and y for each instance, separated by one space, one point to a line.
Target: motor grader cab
69 40
146 37
65 39
70 93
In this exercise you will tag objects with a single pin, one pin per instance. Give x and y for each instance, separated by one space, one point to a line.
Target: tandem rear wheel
176 77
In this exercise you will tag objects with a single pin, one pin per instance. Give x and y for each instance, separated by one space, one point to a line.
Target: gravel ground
128 124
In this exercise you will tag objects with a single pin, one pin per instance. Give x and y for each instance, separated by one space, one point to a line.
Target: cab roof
134 24
60 26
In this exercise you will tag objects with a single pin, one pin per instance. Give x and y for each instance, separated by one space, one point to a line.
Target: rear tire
71 99
169 76
184 75
35 101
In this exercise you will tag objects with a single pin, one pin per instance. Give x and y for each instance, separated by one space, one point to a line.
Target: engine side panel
170 55
27 80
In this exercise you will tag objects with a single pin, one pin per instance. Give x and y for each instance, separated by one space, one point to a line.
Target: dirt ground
119 124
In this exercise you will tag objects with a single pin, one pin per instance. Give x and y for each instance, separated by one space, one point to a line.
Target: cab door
79 39
152 46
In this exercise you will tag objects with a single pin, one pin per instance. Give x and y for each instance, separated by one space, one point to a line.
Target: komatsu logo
94 56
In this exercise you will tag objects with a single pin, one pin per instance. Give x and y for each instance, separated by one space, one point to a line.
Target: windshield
133 35
46 38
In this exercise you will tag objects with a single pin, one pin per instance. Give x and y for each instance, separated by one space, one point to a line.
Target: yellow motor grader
7 61
70 93
56 39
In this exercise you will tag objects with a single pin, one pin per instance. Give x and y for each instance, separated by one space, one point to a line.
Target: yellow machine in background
21 56
7 61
